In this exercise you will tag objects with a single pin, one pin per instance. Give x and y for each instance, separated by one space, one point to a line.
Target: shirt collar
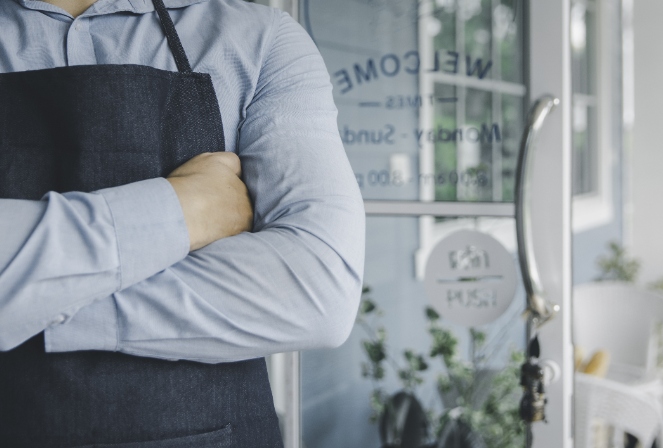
101 7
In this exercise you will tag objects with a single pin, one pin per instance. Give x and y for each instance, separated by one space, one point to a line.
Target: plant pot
403 423
458 434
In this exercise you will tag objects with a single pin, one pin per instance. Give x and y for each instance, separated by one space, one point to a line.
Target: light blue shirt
110 270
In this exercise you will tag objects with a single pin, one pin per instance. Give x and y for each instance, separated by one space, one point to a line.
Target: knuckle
225 156
233 159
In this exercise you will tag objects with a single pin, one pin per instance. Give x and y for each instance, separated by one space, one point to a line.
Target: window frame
595 208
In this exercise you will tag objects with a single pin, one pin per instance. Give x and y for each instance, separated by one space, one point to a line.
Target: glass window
480 93
431 101
430 94
396 347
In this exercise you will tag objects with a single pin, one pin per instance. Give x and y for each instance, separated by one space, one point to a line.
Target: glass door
433 99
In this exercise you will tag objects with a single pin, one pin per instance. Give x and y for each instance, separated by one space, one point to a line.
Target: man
125 240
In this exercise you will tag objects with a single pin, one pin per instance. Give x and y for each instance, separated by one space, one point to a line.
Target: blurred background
433 97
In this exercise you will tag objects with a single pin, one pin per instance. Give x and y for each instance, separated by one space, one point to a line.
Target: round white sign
470 278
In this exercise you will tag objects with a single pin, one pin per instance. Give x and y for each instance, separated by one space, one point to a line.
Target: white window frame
595 209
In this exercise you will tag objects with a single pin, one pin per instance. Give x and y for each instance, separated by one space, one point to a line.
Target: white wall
645 225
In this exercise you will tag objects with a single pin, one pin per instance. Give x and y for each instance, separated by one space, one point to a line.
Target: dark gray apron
83 128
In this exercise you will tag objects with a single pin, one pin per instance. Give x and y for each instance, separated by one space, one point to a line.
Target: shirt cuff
93 327
150 228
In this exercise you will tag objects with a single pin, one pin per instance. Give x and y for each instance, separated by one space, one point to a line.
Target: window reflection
431 103
478 169
437 82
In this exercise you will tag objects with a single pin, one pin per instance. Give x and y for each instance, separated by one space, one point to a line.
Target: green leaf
444 383
375 351
431 314
415 361
365 369
366 306
479 337
444 343
617 265
378 400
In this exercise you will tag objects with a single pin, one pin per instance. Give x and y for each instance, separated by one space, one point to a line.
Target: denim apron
83 128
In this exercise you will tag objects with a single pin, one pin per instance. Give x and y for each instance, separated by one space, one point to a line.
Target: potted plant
479 405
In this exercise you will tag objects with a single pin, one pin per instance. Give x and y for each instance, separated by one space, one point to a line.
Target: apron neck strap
173 39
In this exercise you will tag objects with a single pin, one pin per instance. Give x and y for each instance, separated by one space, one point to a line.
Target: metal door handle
539 309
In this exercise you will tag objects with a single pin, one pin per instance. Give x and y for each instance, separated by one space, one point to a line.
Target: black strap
173 39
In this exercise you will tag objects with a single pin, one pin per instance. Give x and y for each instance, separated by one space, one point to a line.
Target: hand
214 199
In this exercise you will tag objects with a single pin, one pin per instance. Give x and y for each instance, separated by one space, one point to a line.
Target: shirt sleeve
292 284
68 250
